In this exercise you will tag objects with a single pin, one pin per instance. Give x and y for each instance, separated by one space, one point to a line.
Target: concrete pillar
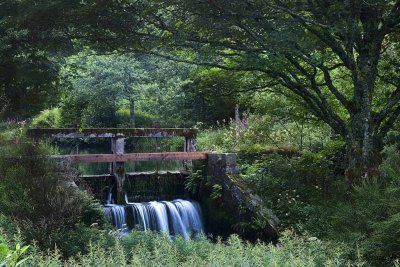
118 168
222 163
189 146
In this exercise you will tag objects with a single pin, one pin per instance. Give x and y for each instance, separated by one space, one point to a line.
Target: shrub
99 114
73 241
32 187
10 257
307 195
296 188
257 134
49 118
142 119
371 219
34 195
215 140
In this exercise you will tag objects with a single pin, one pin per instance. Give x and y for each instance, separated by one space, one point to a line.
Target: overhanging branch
390 122
388 108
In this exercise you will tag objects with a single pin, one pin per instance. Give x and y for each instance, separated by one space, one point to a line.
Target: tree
209 105
339 58
35 36
99 87
28 65
99 83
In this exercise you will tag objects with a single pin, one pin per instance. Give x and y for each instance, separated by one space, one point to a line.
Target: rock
70 184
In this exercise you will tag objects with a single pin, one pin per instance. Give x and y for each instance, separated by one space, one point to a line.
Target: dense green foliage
103 91
306 191
262 133
307 197
316 86
48 118
332 57
35 200
151 249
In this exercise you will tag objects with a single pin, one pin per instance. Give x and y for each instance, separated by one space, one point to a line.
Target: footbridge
119 156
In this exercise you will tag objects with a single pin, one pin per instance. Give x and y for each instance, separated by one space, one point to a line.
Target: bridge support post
118 168
189 146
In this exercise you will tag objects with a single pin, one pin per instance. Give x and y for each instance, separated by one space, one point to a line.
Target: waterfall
116 214
176 220
178 217
159 216
109 199
191 215
141 216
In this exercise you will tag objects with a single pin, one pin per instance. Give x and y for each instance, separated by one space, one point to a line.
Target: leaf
23 249
4 251
21 261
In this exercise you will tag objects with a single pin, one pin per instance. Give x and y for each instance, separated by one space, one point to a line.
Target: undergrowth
154 249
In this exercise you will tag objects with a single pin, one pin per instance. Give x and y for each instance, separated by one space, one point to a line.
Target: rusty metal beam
110 132
90 158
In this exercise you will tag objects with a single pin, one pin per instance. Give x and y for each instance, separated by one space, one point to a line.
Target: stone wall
244 211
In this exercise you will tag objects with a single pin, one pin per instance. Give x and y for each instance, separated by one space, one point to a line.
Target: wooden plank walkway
90 158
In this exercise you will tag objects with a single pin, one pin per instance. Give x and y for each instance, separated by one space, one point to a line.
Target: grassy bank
153 249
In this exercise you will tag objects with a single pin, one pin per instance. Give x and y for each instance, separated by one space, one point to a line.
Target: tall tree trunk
364 145
364 158
132 112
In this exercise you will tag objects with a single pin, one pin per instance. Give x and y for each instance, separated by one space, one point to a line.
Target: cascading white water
191 214
141 216
159 216
116 214
178 217
109 199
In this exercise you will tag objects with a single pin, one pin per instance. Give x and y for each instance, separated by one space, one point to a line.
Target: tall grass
153 249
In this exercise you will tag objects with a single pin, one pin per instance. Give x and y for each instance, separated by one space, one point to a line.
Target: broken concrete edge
253 201
246 208
110 132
